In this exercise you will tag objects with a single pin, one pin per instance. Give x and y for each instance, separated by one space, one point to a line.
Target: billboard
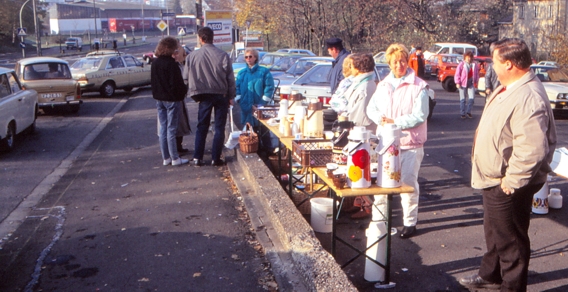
221 22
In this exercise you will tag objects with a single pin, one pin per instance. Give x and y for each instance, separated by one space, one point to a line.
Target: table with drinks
348 177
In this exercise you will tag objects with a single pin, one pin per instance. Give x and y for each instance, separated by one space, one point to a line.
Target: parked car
548 63
18 109
240 63
270 59
555 81
450 48
447 69
52 80
282 64
74 43
299 68
297 51
106 73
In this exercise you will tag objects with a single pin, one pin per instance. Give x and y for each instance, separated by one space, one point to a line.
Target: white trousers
410 161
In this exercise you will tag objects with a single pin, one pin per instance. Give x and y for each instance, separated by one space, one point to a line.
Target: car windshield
284 63
551 74
452 59
87 63
316 76
300 67
41 71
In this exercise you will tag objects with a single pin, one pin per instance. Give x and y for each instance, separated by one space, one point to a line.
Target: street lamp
21 26
95 13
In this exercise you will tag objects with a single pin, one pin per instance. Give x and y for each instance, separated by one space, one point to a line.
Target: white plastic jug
540 200
358 158
555 199
389 164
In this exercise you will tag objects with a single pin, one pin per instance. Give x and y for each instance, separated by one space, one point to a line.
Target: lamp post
22 37
143 23
95 13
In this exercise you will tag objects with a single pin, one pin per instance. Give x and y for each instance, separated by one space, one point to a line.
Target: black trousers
506 223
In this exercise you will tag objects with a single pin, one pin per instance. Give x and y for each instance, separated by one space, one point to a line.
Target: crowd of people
512 147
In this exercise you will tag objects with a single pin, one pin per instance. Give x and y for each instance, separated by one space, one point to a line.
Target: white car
301 66
555 81
297 51
18 109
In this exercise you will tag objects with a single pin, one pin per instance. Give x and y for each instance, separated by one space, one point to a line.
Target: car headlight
562 96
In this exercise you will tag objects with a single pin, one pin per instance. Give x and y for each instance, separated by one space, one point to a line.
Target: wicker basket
248 140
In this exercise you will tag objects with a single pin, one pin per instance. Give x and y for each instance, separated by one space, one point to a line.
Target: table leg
333 221
387 283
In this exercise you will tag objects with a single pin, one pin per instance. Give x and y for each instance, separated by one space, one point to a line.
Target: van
74 43
450 48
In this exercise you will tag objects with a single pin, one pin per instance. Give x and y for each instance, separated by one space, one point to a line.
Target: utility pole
22 37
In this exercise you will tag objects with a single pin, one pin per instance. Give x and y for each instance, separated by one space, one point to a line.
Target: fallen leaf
144 280
195 275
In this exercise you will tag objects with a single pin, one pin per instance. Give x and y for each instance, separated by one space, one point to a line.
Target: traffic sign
181 30
23 45
162 25
22 31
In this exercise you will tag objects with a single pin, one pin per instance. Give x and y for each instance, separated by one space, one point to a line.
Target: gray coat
491 81
209 71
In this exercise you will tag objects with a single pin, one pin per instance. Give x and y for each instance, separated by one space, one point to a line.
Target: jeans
220 104
168 115
471 95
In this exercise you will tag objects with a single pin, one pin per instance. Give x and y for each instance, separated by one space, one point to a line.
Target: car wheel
107 90
450 85
127 89
7 144
74 108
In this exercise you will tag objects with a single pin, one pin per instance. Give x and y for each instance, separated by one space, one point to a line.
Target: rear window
46 71
316 76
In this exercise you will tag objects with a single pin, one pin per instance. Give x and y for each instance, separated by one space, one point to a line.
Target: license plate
51 95
69 98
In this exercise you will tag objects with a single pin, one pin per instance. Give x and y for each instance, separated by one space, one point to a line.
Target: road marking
17 217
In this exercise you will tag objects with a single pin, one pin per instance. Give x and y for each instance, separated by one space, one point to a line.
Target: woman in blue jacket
255 85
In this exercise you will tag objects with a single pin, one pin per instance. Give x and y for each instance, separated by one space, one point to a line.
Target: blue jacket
252 84
336 72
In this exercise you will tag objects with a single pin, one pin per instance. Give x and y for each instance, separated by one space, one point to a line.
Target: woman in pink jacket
402 99
466 78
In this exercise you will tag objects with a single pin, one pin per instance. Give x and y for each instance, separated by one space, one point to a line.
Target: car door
118 71
136 73
15 104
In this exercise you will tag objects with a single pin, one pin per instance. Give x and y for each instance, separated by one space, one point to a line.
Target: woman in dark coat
168 89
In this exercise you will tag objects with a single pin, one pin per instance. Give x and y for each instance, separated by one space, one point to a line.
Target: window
4 86
521 11
130 61
14 84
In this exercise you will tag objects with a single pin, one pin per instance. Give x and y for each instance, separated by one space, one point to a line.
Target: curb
299 262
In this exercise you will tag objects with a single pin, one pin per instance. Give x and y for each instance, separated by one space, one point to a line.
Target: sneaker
179 161
463 116
197 162
218 162
469 116
167 161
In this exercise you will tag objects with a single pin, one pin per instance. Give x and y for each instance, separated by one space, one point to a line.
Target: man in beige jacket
512 149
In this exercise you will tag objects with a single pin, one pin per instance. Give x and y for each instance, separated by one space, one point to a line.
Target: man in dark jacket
336 50
211 82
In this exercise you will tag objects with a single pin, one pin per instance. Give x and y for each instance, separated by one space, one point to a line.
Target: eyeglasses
247 57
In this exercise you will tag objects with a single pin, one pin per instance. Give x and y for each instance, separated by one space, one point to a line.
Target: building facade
538 23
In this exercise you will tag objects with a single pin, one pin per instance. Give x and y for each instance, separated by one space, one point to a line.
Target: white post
22 37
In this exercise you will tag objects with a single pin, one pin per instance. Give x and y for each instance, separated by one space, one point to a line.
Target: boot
180 148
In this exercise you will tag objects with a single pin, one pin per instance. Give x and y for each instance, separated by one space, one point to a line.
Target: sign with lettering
221 24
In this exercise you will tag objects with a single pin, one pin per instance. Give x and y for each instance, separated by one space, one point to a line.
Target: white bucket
322 214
